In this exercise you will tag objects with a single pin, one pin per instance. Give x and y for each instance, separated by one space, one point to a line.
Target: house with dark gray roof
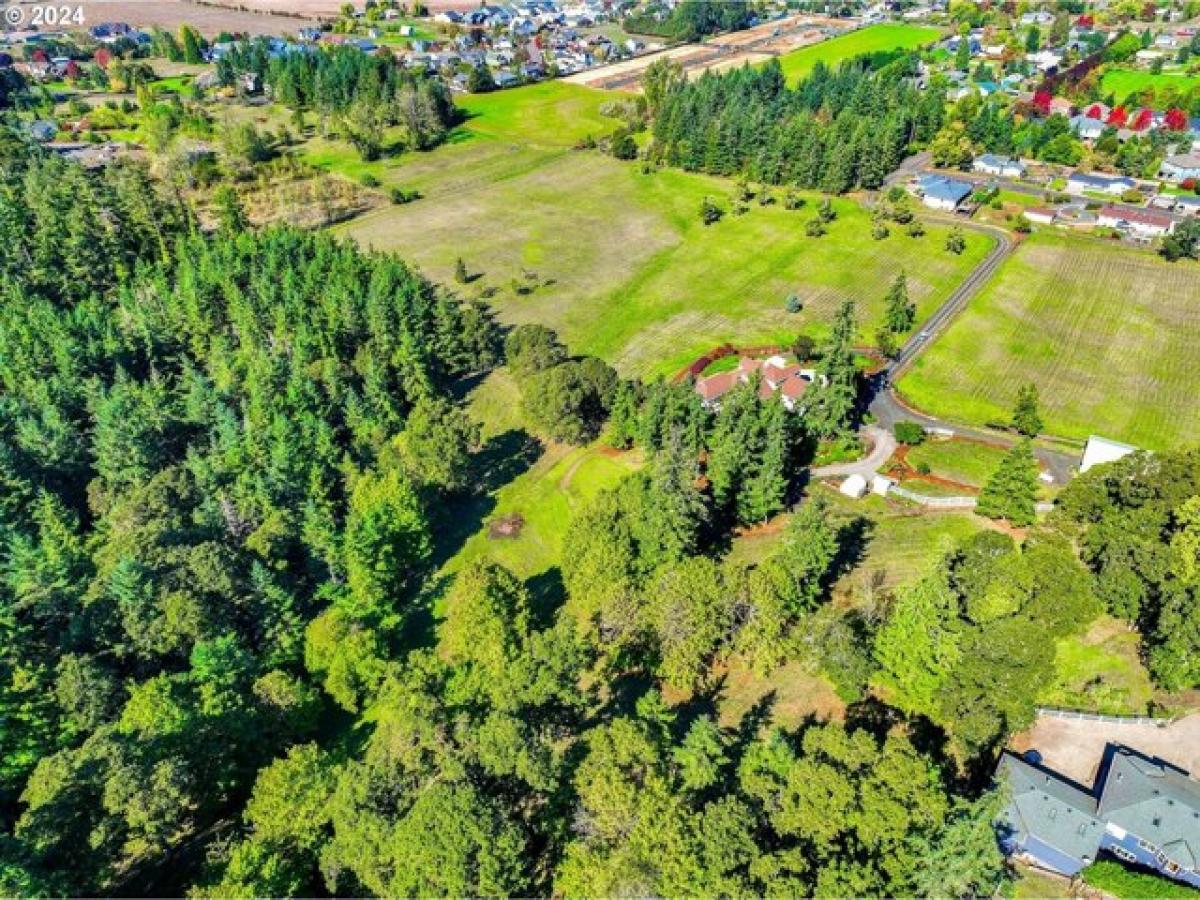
1141 811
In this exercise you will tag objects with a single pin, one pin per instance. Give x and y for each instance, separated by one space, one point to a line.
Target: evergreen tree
900 312
1011 491
1026 418
830 404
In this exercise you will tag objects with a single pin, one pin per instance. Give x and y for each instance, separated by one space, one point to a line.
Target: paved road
886 407
884 446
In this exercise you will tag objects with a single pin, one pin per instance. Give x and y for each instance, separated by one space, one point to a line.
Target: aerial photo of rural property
600 448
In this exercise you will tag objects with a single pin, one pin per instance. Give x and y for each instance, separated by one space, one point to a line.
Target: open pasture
1107 333
621 265
872 39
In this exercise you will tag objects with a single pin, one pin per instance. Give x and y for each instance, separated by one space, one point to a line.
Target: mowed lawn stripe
1107 333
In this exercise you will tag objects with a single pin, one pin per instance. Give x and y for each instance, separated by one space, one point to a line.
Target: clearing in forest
1107 333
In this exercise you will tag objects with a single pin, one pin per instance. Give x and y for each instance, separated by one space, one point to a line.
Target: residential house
43 130
1061 106
1141 810
1188 206
1041 215
1045 60
1083 182
1087 128
939 192
776 378
1180 168
1140 223
1004 166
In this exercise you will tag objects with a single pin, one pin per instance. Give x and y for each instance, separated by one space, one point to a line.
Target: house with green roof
1140 811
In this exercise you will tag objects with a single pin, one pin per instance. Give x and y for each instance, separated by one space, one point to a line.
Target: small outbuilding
855 487
1101 450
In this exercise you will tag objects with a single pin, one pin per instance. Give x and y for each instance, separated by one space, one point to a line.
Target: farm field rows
624 268
1107 333
872 39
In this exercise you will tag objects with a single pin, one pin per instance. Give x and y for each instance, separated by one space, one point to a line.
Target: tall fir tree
900 312
1026 418
1011 492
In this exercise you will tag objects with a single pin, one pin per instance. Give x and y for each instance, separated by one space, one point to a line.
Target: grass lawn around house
872 39
1107 333
1100 672
625 268
1123 82
966 462
1032 884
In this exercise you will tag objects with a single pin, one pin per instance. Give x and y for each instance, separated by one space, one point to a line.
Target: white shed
881 484
854 486
1102 450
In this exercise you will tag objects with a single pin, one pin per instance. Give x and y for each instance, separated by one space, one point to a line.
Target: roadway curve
886 407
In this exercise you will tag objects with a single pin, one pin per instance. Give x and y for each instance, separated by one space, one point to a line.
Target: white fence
948 502
1100 717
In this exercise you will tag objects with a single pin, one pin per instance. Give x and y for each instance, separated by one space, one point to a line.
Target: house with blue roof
940 192
1083 182
1141 811
994 164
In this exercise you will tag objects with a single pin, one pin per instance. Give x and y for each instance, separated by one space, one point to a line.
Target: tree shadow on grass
502 459
853 539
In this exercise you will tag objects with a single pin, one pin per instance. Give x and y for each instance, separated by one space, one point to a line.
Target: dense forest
838 129
232 465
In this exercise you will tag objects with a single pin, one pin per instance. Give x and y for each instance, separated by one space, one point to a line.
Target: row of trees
836 130
690 20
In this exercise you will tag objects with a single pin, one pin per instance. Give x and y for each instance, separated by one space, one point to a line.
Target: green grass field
966 462
1107 333
1123 82
626 269
872 39
545 496
898 541
1100 672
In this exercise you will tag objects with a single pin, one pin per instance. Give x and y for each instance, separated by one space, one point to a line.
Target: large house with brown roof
776 377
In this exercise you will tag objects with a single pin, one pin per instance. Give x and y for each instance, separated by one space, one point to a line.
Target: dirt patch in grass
506 527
